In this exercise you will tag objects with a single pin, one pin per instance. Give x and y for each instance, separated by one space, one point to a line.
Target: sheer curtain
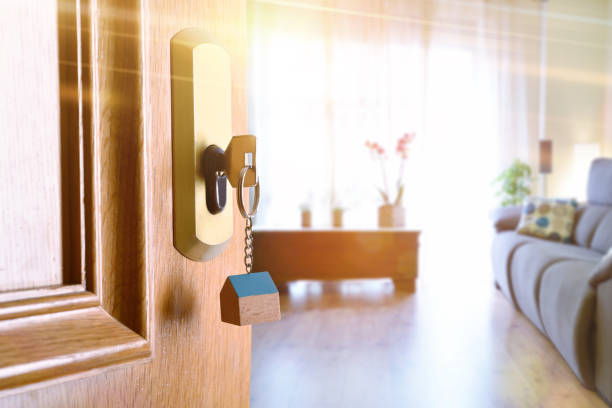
325 76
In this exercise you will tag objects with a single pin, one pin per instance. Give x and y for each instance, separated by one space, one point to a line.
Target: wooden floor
362 344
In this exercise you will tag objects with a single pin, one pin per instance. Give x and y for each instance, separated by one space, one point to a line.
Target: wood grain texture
30 193
75 126
259 309
455 343
198 360
336 254
39 292
44 115
118 155
51 303
35 349
40 341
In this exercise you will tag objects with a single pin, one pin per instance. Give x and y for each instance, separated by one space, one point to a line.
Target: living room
306 203
399 143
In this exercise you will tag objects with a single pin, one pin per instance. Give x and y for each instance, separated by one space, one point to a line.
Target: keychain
252 297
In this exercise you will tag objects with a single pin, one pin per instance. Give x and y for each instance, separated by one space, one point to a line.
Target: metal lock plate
201 116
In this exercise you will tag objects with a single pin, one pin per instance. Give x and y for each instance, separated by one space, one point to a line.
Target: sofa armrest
602 271
506 218
602 340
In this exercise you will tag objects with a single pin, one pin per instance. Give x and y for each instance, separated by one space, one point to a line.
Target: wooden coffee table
337 253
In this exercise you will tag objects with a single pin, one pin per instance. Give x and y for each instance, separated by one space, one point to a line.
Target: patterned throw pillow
551 219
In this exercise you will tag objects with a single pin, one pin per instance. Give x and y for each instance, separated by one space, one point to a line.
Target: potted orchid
391 212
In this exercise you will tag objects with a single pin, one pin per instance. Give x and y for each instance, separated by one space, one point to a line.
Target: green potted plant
514 184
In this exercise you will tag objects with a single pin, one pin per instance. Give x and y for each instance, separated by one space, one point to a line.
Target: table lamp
545 164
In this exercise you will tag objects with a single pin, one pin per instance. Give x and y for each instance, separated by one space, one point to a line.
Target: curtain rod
509 9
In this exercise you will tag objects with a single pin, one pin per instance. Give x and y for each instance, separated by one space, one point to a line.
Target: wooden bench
331 254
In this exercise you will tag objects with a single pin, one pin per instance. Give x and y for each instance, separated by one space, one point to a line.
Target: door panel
54 322
155 337
30 232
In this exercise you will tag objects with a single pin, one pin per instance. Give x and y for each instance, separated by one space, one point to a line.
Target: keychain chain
248 215
248 244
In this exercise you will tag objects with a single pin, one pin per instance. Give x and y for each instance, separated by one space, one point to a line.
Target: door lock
201 85
203 220
220 166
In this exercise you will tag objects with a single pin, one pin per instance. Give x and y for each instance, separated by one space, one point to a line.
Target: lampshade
545 156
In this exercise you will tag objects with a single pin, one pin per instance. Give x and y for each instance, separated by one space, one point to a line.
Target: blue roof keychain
252 297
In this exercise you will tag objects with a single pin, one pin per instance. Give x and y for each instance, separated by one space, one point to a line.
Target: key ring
253 210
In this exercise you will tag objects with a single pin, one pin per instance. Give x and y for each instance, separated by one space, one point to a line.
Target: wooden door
97 309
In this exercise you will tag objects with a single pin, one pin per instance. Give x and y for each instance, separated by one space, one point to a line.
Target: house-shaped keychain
249 298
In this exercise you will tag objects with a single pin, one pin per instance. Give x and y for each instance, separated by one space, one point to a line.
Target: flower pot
337 218
306 219
390 216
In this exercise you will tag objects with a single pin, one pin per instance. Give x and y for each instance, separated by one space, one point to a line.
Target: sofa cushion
567 304
602 272
528 264
599 190
504 245
602 239
587 220
550 219
602 341
567 251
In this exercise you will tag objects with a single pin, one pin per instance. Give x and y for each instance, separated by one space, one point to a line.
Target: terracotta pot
337 218
306 219
391 216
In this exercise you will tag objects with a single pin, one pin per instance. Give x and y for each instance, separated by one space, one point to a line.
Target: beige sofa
566 290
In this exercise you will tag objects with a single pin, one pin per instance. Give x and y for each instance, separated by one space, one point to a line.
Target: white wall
607 138
577 66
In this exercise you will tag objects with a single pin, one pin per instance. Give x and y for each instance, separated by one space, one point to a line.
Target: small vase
337 218
306 217
390 216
